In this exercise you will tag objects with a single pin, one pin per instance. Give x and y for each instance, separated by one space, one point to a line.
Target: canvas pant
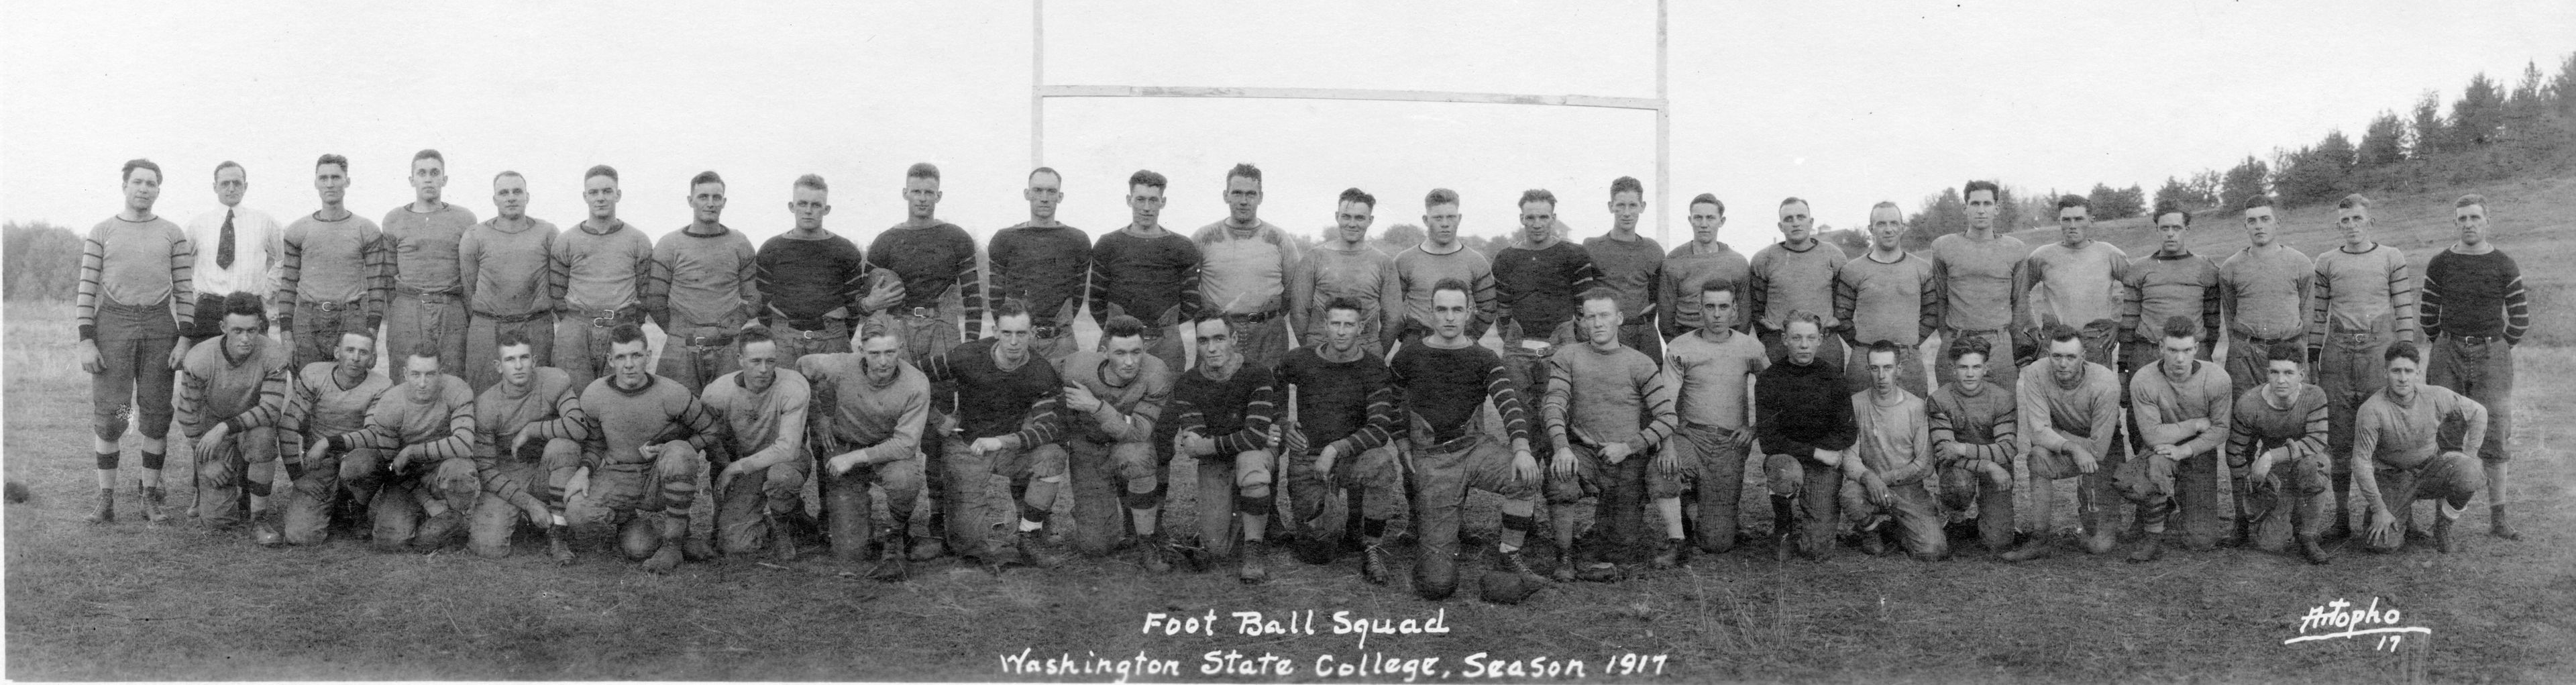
1708 471
1228 485
319 325
970 513
2094 492
414 317
1619 492
824 336
134 377
1818 489
307 519
1986 485
1372 475
1909 506
399 498
2482 369
245 461
2444 477
850 508
2293 495
517 486
697 355
2351 369
744 507
1109 479
1443 473
581 340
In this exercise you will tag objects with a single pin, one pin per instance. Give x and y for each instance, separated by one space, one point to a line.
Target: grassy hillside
2526 220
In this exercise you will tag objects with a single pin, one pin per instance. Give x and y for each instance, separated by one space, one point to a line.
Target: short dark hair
1359 196
509 337
1243 170
625 333
1627 184
246 303
921 170
2179 326
754 333
1048 170
1716 285
1795 200
1453 283
1884 345
1977 185
2285 351
1146 178
2169 207
2402 349
138 163
2074 200
1537 195
1976 345
1211 316
1709 199
229 164
599 170
1122 326
1344 303
1010 306
332 159
2353 201
430 153
2058 333
426 349
814 181
2470 199
1439 196
705 177
2258 200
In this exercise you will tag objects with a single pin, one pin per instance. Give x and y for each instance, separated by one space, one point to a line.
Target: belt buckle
925 312
603 321
803 334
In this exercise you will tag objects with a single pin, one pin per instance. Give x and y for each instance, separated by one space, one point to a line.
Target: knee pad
108 427
215 473
155 425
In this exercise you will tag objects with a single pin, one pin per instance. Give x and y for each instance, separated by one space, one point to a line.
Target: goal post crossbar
1661 105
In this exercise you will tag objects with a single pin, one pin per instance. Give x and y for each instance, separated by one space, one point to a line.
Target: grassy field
135 601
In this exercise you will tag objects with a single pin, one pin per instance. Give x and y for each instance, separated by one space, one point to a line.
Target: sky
1842 103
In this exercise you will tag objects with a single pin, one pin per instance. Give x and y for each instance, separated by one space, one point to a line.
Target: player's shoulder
204 357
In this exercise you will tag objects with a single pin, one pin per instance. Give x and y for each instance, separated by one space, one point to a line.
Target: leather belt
512 318
1254 317
329 307
2475 339
602 318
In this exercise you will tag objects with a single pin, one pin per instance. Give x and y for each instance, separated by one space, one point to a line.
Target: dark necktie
224 246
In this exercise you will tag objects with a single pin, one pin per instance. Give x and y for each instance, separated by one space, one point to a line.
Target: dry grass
133 601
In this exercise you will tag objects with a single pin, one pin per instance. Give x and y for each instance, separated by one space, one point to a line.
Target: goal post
1040 91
